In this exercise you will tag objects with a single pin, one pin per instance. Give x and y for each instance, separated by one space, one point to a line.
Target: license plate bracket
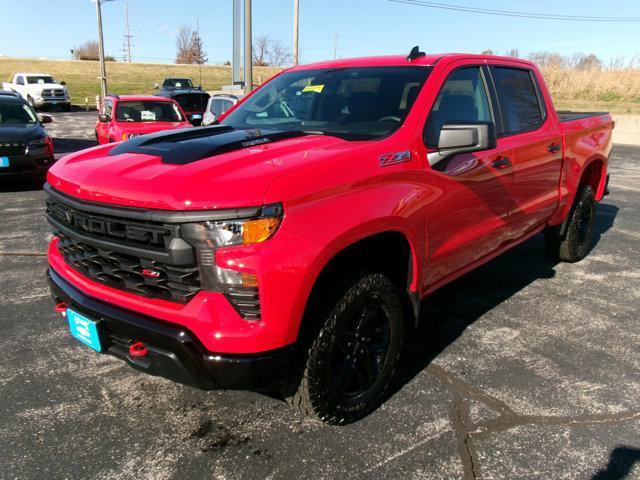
84 329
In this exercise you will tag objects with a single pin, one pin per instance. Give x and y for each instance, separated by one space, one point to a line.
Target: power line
510 13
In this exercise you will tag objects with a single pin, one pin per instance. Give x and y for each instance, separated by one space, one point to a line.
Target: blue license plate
84 329
196 116
4 162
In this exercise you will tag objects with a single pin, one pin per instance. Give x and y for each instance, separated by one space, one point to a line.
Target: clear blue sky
46 28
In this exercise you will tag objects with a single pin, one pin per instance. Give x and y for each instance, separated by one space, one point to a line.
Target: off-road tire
314 391
576 243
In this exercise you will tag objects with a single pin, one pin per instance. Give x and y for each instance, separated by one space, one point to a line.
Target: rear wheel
352 358
574 245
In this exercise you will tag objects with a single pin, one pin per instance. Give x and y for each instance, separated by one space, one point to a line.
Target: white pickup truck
39 89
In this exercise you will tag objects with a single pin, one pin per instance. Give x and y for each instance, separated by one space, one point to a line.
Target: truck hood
22 133
38 87
172 171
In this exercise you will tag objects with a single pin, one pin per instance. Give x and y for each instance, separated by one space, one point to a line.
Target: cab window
463 98
518 97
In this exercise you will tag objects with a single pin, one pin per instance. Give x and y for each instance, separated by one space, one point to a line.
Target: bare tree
581 61
488 51
548 60
279 54
89 50
261 47
514 52
183 44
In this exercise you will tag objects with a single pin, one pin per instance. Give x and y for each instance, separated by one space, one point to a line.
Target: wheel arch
393 252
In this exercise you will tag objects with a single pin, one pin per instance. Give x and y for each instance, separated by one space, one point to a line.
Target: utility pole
296 10
248 55
128 35
336 36
201 58
237 42
103 68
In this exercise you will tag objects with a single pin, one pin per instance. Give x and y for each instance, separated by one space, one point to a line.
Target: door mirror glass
104 118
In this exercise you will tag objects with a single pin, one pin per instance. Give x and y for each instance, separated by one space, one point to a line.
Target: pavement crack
460 419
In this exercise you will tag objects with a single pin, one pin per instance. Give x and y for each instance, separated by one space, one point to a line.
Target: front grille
133 274
13 148
105 227
53 92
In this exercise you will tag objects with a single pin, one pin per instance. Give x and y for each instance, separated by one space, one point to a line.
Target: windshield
16 114
192 101
148 111
40 79
178 83
355 103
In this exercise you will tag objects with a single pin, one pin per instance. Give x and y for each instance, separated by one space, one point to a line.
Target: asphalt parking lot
522 369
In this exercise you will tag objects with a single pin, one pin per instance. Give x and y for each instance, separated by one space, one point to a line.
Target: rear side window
463 99
518 98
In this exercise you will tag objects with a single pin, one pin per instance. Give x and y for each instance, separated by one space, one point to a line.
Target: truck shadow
448 312
621 462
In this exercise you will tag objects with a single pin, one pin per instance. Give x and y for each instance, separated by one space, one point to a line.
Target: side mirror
156 86
46 119
456 138
63 83
104 118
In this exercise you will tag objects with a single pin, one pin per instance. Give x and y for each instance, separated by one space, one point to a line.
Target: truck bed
567 116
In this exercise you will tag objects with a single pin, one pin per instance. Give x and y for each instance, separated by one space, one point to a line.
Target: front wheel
574 245
351 361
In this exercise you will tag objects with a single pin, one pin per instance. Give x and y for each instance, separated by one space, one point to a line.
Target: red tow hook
60 308
138 349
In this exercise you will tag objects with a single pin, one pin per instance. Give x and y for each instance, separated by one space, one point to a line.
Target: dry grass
616 89
124 78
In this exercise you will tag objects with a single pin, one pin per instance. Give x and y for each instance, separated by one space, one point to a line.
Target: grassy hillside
123 78
617 91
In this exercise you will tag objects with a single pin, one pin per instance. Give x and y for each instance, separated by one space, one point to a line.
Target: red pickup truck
289 247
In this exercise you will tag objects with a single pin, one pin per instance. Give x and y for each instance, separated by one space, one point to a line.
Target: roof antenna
415 53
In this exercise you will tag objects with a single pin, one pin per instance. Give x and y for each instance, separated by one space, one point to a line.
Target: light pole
296 9
248 56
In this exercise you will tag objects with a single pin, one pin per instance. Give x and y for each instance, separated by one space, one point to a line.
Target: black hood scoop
189 145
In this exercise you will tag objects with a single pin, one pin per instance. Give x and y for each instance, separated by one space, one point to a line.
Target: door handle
554 147
501 162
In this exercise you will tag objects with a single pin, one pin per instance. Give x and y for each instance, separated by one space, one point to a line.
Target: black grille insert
129 232
141 276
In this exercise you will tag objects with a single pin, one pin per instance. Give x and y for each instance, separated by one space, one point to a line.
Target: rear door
470 194
535 142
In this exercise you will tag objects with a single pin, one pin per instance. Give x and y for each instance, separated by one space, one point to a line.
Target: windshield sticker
313 88
147 115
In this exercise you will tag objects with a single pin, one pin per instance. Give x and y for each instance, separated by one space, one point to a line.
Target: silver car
217 105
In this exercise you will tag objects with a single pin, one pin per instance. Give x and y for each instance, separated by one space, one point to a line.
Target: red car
289 247
127 116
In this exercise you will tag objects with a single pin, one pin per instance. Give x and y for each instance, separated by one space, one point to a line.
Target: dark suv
192 100
25 146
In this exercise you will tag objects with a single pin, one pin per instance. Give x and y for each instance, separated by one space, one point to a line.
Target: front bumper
40 101
173 351
27 164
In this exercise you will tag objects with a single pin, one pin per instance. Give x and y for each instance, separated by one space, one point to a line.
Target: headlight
207 237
